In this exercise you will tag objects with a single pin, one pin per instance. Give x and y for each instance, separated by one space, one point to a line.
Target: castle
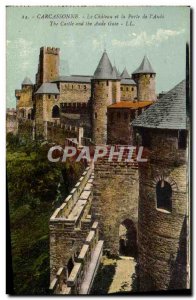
104 102
148 200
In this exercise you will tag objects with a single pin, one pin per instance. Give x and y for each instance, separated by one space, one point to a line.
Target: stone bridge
75 248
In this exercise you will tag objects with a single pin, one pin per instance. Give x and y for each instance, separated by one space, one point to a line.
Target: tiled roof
130 104
145 67
125 74
128 81
74 78
27 81
48 88
104 69
167 113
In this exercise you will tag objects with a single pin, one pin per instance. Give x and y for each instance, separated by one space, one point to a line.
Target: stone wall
24 96
74 92
146 87
77 114
115 199
162 234
44 107
73 235
24 101
82 275
128 92
70 224
118 126
101 98
48 65
116 91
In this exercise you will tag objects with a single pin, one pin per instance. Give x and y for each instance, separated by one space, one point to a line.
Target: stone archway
127 238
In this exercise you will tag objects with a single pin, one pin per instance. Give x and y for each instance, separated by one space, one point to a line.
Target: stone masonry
74 237
115 199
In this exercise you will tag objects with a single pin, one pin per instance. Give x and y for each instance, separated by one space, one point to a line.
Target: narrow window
72 86
78 86
164 195
49 96
55 96
121 88
95 115
127 89
107 82
84 87
132 89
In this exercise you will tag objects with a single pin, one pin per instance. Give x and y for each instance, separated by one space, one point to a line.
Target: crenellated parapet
82 275
74 238
51 50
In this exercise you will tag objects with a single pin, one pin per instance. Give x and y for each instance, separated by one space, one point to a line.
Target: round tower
105 91
145 79
163 194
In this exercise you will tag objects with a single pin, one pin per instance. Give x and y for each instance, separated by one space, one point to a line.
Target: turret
48 67
27 82
163 214
144 76
105 91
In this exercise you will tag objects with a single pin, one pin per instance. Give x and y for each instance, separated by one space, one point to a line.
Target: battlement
11 110
51 50
73 208
85 267
17 93
74 105
103 163
57 124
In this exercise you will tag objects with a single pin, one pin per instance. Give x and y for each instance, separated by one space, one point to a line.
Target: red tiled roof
130 104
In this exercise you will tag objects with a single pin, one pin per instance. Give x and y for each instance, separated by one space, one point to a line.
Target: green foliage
35 187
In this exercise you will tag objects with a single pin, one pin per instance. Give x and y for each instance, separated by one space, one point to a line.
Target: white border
3 4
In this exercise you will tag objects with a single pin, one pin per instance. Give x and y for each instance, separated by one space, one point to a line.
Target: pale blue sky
162 40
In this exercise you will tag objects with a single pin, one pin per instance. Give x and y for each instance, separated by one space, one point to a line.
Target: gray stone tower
105 91
163 214
145 79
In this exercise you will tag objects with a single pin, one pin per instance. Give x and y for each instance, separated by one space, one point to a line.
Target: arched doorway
127 238
55 112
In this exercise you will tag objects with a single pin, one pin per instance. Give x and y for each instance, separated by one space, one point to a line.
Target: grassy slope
33 194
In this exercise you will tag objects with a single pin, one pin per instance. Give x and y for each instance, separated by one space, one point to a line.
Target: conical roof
115 73
104 68
145 67
27 81
125 74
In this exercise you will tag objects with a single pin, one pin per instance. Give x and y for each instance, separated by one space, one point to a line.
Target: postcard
98 135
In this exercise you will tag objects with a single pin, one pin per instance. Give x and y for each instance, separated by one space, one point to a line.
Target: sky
160 33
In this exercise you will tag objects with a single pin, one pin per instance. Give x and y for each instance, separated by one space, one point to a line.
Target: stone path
125 267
